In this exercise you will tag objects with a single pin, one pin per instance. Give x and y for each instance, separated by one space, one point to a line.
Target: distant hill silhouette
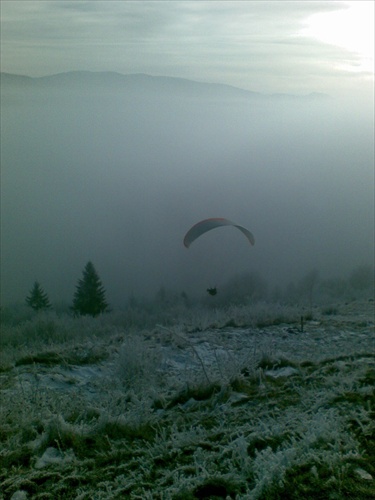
140 83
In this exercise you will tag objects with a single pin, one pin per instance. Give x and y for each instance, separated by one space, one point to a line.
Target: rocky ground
280 411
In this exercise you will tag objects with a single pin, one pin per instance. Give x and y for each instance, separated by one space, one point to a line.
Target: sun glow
351 28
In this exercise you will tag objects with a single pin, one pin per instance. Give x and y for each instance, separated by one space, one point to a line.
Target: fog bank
115 170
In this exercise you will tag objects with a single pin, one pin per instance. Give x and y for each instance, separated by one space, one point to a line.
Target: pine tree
89 297
38 299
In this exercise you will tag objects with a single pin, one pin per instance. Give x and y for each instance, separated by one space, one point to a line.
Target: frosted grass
97 409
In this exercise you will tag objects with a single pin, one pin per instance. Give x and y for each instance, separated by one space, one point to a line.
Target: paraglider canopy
207 224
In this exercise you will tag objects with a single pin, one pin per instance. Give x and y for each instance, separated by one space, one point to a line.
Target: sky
117 172
266 46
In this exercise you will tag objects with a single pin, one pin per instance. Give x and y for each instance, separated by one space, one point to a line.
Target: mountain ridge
138 82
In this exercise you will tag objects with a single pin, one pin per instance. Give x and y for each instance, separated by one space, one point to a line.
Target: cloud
254 45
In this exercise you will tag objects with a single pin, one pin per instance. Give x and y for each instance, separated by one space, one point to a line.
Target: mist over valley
115 169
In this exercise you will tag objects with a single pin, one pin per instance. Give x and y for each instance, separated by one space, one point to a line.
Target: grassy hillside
223 404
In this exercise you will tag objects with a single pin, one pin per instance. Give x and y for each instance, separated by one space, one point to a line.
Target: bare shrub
137 364
243 288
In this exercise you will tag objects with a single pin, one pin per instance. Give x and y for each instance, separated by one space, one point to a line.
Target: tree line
89 297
